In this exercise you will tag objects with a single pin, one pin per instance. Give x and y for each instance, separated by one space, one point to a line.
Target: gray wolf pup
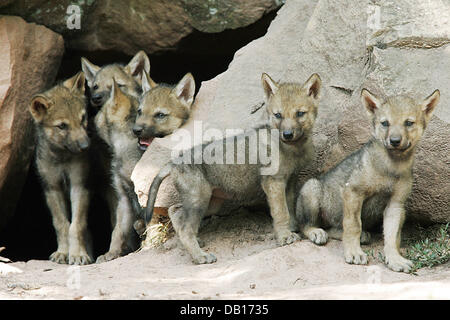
370 185
128 78
291 112
115 124
163 108
63 164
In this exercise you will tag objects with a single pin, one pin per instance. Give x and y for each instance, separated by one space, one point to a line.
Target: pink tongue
146 142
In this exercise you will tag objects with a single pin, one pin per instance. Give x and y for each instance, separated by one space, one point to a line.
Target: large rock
31 55
130 26
219 15
390 48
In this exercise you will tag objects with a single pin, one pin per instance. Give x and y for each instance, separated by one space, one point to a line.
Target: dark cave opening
29 234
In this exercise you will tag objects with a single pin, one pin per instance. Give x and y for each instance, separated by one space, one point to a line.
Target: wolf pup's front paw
318 236
205 258
110 255
59 257
79 256
398 263
80 260
356 256
287 237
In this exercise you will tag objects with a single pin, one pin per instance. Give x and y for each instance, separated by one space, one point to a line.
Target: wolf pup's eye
120 85
300 114
385 123
62 126
408 123
160 115
277 115
95 87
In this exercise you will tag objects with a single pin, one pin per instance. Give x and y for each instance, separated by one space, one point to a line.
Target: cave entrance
30 234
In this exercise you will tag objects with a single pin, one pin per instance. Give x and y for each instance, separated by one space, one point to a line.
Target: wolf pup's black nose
97 98
395 141
83 144
137 131
288 135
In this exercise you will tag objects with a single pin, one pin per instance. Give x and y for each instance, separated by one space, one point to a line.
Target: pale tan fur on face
104 80
295 104
174 103
160 100
61 111
401 117
128 78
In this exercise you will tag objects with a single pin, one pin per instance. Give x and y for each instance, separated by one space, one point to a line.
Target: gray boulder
130 26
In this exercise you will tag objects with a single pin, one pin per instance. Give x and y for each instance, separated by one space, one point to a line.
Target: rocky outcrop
217 16
388 47
128 27
31 55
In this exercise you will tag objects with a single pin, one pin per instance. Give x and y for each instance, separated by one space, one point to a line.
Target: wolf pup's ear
270 87
38 107
147 83
430 103
117 96
185 90
76 83
370 101
90 70
116 93
313 86
138 64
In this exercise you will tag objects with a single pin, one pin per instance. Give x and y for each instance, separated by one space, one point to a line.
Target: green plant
431 249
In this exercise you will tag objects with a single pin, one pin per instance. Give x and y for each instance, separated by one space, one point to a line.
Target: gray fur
371 185
203 187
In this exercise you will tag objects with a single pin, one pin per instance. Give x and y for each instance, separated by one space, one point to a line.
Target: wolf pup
370 185
63 165
163 108
291 112
128 78
115 124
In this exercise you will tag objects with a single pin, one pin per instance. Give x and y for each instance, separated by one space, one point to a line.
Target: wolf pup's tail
153 192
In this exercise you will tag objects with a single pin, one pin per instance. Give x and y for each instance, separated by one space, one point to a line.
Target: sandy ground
250 266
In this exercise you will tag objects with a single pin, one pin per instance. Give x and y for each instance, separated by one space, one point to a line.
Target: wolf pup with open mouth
371 184
63 164
162 109
291 110
116 125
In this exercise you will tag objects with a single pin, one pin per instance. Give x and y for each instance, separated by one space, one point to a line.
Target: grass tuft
431 249
158 233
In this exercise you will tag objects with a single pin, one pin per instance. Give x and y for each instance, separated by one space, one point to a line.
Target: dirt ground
250 266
